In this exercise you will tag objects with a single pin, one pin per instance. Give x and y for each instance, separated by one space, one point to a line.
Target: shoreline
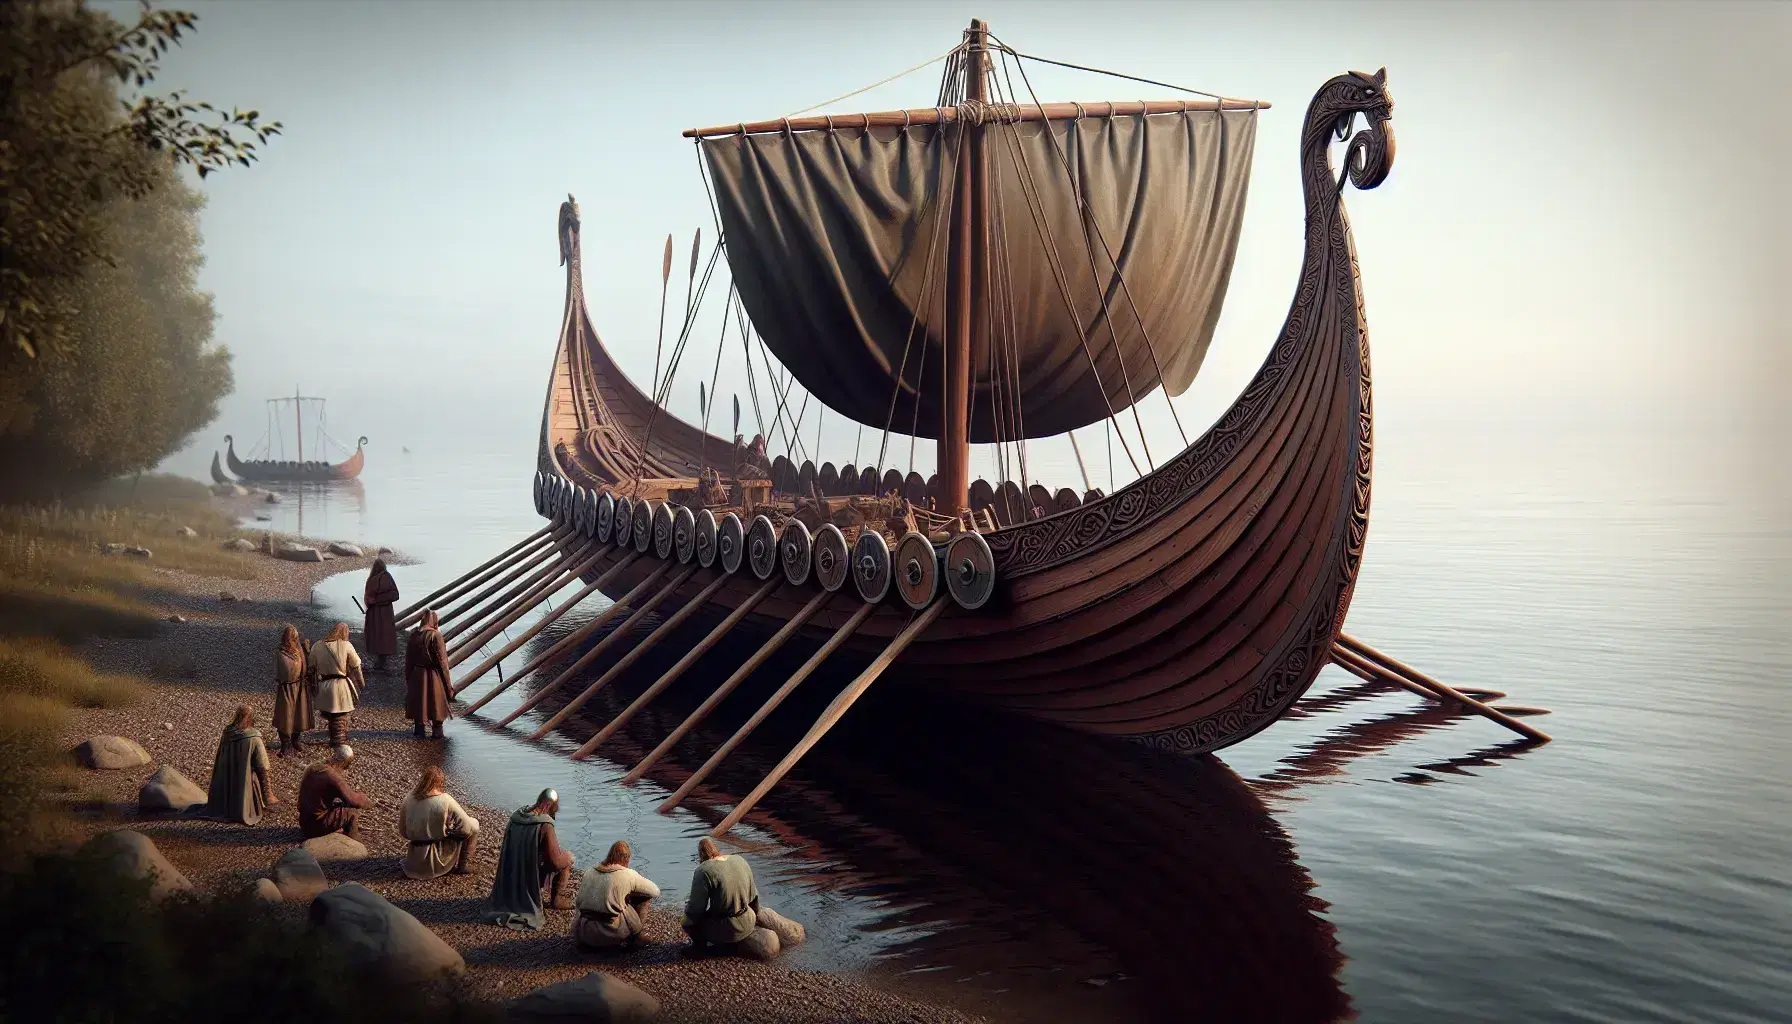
198 670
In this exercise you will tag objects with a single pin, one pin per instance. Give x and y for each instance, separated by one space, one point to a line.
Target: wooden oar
577 636
472 578
746 669
576 548
541 592
1354 653
615 636
540 624
722 629
534 562
663 630
846 629
834 712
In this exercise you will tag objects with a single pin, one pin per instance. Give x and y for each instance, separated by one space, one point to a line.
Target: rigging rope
1005 48
873 85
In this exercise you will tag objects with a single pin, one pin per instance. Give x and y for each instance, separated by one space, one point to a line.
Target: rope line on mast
873 85
1005 48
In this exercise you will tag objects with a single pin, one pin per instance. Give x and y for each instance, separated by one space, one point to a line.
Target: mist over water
1371 854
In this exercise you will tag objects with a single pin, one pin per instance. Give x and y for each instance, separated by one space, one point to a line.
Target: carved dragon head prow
569 227
1371 153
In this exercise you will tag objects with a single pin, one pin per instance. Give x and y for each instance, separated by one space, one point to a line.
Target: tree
140 373
69 146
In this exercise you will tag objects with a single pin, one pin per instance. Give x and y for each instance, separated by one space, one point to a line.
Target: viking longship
298 470
987 270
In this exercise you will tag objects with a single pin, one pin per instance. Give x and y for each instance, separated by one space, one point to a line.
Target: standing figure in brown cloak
337 678
381 629
239 788
293 714
426 677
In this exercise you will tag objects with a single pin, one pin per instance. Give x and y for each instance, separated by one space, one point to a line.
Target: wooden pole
728 686
601 646
578 635
1087 487
808 668
834 712
965 315
534 562
722 629
556 566
416 608
1352 651
544 622
471 645
1005 113
663 630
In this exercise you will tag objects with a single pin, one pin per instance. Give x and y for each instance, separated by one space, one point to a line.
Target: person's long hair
618 855
338 632
289 642
430 619
245 718
431 782
707 849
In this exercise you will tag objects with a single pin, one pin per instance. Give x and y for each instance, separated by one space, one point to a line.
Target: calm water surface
1372 855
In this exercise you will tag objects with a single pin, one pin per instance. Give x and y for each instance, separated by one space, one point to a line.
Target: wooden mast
966 285
298 423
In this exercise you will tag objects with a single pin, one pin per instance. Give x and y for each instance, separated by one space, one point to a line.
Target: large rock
132 854
188 531
239 544
298 875
370 930
266 891
761 945
334 846
597 998
790 933
169 790
345 549
111 753
137 551
298 553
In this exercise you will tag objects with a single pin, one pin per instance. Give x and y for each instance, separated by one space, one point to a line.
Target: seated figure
443 835
613 900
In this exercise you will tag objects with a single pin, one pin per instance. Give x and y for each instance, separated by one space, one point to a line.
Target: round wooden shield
762 548
805 478
730 542
783 475
868 480
828 479
684 535
914 488
587 512
982 495
933 491
871 566
625 520
703 540
892 481
1038 495
795 551
553 497
1011 505
849 479
1093 494
831 566
640 531
536 493
1066 499
562 498
662 529
606 516
917 571
970 570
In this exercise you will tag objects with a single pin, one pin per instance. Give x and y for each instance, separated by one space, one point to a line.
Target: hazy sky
1583 220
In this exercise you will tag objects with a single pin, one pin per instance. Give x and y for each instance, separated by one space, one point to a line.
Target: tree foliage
69 145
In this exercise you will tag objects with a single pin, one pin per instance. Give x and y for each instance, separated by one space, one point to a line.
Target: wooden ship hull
271 471
1188 610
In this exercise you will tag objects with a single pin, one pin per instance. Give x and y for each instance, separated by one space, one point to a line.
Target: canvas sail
838 247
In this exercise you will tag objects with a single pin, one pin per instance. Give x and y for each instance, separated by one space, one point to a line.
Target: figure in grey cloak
531 855
239 788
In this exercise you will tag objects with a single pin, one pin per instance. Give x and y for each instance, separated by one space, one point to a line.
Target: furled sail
837 244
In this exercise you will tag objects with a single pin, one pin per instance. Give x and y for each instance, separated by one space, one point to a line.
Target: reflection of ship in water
1077 876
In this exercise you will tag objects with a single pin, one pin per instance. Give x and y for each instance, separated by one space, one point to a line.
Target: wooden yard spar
987 270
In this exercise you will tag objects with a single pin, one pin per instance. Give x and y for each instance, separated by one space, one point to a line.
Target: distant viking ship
987 270
296 471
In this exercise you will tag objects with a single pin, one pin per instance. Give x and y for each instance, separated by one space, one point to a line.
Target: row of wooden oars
558 555
1366 662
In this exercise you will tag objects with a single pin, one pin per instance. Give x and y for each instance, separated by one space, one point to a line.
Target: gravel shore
220 657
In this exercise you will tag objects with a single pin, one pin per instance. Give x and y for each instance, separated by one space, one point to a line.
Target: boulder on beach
169 790
177 619
370 930
136 551
298 553
386 551
132 854
188 531
266 891
334 846
790 933
111 549
111 753
298 875
239 544
761 945
225 596
597 997
345 549
272 498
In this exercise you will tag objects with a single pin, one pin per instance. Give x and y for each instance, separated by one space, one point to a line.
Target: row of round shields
915 569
